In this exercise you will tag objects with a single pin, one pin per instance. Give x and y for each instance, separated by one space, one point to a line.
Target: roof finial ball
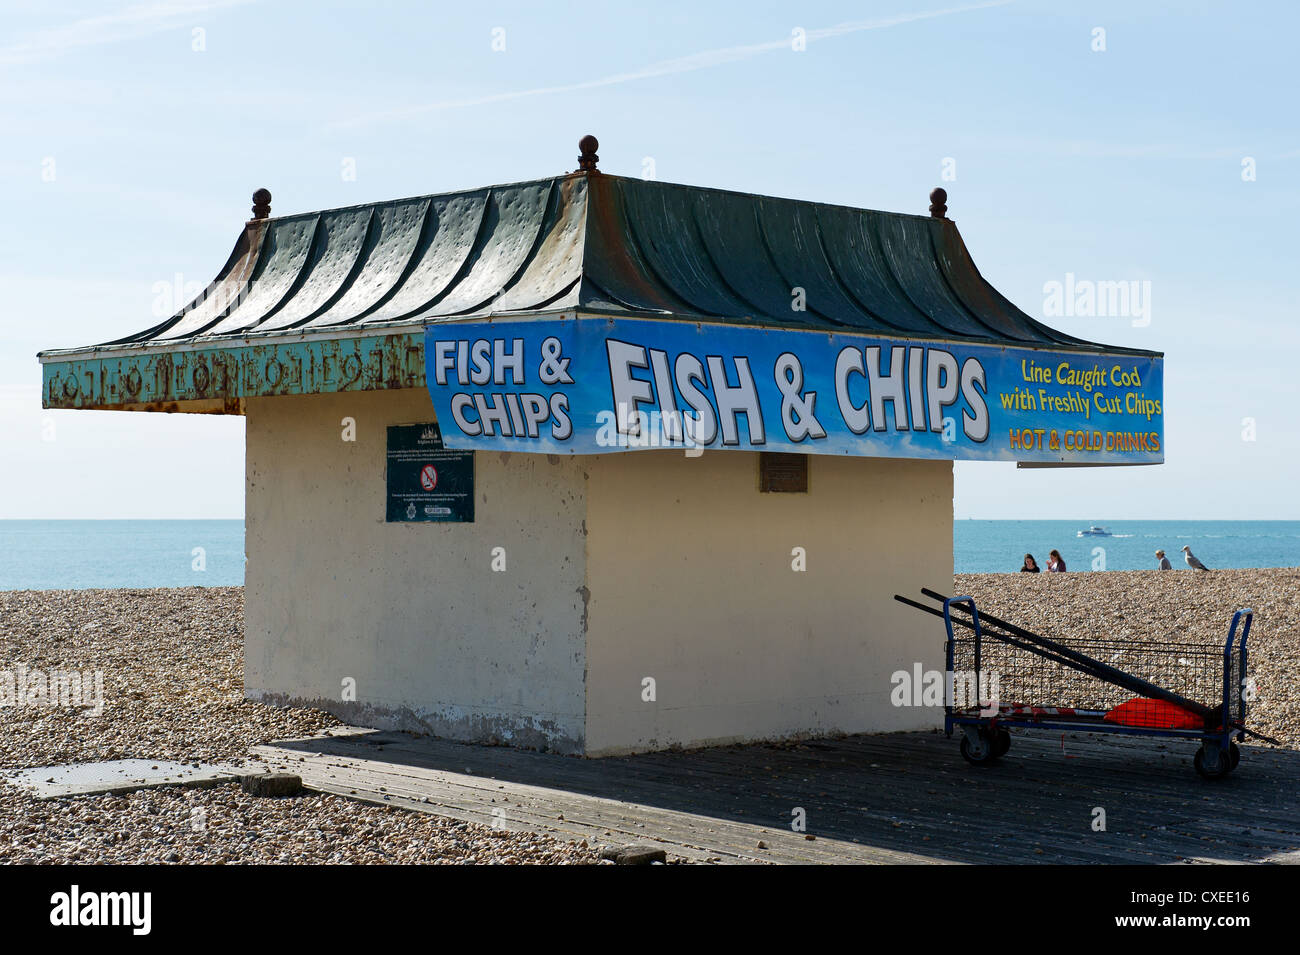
587 159
938 198
261 203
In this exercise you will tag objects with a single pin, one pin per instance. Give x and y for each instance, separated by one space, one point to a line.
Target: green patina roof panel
589 242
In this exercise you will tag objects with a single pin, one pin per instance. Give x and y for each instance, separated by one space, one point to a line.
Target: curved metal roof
591 242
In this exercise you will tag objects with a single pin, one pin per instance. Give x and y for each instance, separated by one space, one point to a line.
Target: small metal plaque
782 472
427 482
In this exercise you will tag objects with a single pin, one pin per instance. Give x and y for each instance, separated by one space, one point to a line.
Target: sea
982 547
74 555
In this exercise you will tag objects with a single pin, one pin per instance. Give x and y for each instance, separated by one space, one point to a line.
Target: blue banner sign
593 386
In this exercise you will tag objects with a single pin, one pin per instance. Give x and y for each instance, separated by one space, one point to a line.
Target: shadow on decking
903 793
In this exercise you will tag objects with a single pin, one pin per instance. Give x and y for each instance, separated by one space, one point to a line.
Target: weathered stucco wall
691 579
436 641
618 567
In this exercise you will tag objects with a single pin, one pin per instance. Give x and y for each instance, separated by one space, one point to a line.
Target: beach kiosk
600 465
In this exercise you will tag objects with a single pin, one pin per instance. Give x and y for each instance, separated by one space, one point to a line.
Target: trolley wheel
1222 762
1001 743
1235 752
980 753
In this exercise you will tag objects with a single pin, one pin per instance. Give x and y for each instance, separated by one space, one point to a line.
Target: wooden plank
887 798
598 820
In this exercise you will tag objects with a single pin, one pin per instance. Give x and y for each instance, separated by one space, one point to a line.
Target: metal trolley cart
1097 685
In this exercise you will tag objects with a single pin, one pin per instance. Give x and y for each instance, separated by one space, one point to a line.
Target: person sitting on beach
1055 563
1030 565
1164 561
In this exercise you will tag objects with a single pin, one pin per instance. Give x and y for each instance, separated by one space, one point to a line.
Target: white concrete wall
689 568
435 640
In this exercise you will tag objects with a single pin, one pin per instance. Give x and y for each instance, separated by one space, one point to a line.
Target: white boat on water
1095 531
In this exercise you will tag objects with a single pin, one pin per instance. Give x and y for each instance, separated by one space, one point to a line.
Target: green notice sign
426 482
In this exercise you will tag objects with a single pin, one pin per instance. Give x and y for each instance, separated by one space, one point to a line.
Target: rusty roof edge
66 355
55 356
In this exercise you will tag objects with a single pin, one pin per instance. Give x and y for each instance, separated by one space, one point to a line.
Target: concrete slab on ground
118 775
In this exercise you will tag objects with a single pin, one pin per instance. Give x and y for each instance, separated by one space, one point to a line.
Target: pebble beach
171 663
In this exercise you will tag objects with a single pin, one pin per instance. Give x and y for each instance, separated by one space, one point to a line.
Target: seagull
1192 560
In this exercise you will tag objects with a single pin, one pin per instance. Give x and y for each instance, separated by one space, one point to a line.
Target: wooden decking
867 799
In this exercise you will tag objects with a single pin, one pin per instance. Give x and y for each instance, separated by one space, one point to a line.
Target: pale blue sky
1117 165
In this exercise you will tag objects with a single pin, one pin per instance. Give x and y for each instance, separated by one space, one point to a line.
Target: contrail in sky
137 20
684 64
